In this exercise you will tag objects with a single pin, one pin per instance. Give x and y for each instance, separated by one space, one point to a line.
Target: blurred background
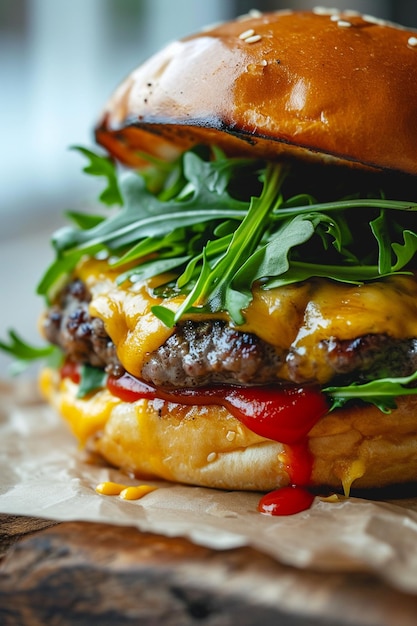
59 62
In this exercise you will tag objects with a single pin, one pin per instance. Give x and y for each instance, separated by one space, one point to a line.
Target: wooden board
96 574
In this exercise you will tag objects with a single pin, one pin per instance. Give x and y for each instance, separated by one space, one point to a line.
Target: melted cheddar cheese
85 416
296 318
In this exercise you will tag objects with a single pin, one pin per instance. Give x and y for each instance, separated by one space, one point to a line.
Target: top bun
318 85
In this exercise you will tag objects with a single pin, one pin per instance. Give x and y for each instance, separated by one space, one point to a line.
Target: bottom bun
207 446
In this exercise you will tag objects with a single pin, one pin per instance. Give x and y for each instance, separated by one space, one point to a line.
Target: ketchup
285 414
71 370
286 501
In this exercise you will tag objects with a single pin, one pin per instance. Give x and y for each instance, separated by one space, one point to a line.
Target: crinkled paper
44 474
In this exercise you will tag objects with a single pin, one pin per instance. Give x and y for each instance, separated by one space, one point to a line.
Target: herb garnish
381 392
219 225
24 354
184 218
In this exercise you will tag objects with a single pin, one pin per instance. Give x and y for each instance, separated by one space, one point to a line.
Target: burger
242 314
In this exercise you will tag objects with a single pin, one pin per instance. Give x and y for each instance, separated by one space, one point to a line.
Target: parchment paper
44 474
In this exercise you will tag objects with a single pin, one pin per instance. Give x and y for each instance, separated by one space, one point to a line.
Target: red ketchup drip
71 370
286 501
285 415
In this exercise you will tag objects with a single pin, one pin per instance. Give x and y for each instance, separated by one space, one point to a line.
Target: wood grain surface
96 574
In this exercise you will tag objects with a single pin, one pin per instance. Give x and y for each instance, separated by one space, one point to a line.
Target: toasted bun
305 85
207 446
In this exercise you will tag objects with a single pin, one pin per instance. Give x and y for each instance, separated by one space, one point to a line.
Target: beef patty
211 351
69 325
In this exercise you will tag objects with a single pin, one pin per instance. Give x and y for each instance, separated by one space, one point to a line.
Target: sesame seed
264 62
344 24
374 20
250 15
230 436
247 33
412 41
253 39
325 11
335 17
370 18
211 457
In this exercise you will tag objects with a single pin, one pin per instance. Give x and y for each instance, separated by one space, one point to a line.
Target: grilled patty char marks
210 351
68 324
382 355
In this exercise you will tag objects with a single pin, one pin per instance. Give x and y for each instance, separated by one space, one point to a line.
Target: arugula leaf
147 270
144 215
214 286
380 392
91 379
84 220
21 349
103 166
344 205
406 251
170 245
57 273
272 258
379 229
183 218
24 353
215 226
204 198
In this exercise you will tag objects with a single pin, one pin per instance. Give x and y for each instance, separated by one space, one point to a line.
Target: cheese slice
295 318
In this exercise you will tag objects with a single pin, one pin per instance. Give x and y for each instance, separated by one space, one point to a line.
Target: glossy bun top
319 85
